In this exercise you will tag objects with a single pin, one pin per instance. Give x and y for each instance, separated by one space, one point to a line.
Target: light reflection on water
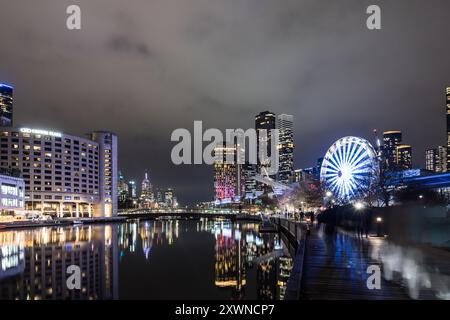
130 260
424 271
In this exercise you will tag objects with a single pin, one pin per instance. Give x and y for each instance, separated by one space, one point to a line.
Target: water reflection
223 259
240 252
34 263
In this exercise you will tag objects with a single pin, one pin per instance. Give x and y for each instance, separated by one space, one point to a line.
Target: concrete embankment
26 224
296 236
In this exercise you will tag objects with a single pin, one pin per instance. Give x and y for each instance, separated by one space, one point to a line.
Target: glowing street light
379 221
359 205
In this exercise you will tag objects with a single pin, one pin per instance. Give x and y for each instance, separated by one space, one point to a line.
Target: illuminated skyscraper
264 121
6 105
286 148
436 159
147 197
229 181
168 197
132 192
404 157
250 182
391 140
108 171
122 192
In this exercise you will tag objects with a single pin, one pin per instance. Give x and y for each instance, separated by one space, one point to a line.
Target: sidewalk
335 267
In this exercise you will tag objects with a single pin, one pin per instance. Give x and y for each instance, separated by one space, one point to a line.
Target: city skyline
383 88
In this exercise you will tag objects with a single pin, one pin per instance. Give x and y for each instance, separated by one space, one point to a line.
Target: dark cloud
144 68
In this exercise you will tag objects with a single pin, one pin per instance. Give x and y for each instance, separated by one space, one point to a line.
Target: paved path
335 267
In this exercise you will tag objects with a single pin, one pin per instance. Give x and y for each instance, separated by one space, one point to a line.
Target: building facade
12 192
6 105
122 192
436 159
404 157
147 198
64 175
391 140
286 149
264 121
229 180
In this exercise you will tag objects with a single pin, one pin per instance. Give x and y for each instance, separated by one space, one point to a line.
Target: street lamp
359 205
379 222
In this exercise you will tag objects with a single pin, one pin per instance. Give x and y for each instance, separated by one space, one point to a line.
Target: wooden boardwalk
335 268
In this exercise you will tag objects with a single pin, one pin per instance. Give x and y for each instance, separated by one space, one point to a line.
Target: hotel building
64 175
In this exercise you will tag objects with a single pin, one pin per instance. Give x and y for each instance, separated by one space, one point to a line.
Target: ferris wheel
350 168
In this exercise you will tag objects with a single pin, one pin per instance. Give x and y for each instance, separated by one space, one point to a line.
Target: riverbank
58 222
23 224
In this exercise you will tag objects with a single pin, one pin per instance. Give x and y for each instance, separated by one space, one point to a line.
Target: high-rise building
64 175
6 105
132 190
448 127
286 148
168 197
229 181
108 170
436 159
431 159
250 183
122 192
147 196
264 121
404 157
391 140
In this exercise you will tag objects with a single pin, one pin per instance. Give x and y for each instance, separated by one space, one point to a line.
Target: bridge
233 214
420 178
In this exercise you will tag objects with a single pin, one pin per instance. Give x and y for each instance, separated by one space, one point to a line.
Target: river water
144 259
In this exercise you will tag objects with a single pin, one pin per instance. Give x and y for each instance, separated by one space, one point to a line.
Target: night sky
142 68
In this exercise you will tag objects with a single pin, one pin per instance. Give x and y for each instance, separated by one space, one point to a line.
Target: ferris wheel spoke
358 156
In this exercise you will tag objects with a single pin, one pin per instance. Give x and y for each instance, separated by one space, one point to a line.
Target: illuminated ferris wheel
350 168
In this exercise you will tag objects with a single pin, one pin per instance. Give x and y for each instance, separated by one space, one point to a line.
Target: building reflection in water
241 246
151 233
34 263
238 248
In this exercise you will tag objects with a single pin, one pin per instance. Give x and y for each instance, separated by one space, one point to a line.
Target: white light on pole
359 205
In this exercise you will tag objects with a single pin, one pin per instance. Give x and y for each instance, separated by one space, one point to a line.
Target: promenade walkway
335 267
